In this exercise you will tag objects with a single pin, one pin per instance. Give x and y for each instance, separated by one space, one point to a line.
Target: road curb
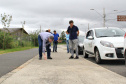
3 78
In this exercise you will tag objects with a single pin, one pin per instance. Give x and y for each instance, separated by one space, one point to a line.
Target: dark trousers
48 50
40 41
55 45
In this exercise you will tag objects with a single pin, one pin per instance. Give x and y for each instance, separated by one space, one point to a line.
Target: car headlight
107 44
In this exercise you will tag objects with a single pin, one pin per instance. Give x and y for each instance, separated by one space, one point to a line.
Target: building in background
18 33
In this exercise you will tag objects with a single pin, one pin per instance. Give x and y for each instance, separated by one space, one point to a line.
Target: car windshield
81 39
113 32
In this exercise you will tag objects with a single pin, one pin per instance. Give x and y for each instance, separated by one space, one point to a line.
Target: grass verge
15 49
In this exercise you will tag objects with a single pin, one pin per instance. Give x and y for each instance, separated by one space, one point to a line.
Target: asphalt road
117 66
11 61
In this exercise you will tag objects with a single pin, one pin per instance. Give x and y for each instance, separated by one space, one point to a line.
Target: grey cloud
55 14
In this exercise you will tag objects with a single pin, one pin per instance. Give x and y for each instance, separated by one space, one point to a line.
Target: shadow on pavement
108 62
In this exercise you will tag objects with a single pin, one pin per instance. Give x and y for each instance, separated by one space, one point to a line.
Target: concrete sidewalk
61 70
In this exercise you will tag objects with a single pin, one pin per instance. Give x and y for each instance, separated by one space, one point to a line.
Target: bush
24 43
10 41
7 42
34 38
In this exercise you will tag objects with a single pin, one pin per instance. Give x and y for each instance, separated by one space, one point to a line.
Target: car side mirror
90 37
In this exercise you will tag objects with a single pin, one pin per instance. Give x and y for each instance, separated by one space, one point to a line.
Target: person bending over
44 39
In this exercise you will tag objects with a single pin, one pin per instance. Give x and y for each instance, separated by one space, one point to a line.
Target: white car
104 43
125 47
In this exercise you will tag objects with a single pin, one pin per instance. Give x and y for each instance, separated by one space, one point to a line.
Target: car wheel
85 54
97 57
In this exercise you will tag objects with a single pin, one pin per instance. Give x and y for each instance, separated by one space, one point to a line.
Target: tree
5 19
34 37
62 37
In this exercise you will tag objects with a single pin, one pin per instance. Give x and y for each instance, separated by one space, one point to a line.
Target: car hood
116 41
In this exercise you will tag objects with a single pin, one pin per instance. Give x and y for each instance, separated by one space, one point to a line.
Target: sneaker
76 57
71 57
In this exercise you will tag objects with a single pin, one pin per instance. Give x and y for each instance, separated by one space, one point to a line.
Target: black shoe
40 58
49 58
76 57
55 51
71 57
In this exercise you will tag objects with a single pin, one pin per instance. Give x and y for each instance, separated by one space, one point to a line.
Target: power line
118 12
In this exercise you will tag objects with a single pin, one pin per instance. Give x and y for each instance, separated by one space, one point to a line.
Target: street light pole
103 16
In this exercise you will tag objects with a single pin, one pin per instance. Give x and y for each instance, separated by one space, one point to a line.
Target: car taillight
125 35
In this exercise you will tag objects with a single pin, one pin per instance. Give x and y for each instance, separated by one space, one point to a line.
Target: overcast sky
55 14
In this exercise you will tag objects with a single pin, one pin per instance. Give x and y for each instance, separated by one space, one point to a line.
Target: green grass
15 49
20 49
61 43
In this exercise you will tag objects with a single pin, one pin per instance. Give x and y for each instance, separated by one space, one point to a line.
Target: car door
88 43
91 42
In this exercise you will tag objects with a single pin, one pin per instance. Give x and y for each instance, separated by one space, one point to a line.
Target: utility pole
23 23
104 17
40 29
21 38
88 26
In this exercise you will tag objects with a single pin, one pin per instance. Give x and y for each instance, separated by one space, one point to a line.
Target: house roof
13 30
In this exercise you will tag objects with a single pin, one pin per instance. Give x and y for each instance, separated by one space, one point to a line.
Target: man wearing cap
73 40
44 39
55 42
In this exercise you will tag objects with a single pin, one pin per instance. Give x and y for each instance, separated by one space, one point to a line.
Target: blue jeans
40 41
48 50
55 45
67 42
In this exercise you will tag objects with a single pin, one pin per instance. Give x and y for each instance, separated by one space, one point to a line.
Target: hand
45 57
